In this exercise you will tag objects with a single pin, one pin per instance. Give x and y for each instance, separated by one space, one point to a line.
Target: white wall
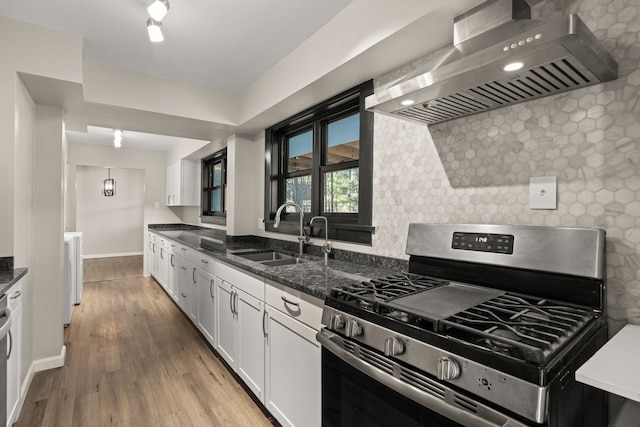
25 113
111 225
48 249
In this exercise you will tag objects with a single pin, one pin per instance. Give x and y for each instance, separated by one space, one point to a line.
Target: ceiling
222 45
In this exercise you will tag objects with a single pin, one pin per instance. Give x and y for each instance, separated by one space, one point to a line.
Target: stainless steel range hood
556 56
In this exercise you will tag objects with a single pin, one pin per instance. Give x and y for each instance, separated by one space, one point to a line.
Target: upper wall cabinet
183 184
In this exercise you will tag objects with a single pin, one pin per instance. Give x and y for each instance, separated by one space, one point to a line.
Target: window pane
343 140
300 152
341 191
298 190
216 200
217 174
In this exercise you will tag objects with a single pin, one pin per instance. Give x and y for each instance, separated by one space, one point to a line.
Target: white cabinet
183 184
186 286
162 262
14 355
206 284
227 328
154 255
293 358
241 331
172 271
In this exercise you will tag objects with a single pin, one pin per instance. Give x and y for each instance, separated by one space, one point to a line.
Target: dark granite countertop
8 278
310 277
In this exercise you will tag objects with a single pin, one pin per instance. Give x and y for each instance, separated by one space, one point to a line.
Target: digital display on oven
483 242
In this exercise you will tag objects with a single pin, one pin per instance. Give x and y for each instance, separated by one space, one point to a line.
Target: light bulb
158 9
155 33
514 66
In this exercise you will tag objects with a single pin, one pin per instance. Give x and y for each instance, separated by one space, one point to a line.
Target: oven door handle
485 417
4 329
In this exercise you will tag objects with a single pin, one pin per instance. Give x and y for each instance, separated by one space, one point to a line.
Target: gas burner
502 336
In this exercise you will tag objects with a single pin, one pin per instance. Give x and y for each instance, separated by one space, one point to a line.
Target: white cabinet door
183 183
251 336
154 256
172 183
293 376
172 272
14 364
226 323
163 263
185 285
206 304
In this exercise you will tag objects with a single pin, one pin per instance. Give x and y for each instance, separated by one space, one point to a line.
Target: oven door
363 388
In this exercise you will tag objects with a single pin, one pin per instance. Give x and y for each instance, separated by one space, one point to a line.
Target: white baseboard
37 366
112 255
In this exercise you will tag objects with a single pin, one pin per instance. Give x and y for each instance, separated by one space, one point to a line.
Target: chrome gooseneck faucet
303 238
326 248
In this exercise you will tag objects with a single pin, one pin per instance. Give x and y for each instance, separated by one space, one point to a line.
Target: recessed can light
514 66
408 102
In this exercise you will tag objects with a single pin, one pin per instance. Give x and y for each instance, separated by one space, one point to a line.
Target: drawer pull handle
204 261
286 301
16 295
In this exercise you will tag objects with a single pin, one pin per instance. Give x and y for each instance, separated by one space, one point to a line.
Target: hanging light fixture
153 28
117 138
158 9
109 185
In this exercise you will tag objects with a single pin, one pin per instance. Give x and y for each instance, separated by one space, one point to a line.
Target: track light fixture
117 138
155 33
158 9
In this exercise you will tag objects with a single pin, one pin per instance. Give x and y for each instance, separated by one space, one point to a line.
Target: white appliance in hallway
73 272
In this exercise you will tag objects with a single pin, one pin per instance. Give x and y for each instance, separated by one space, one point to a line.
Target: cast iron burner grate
522 327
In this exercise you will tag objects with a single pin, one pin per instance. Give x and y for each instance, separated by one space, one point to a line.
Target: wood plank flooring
100 269
133 359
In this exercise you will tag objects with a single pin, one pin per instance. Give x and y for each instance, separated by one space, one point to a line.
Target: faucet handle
326 248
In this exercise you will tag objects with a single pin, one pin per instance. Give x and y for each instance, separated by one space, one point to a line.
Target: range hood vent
556 56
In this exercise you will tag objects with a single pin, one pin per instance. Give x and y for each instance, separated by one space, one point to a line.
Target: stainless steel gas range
486 329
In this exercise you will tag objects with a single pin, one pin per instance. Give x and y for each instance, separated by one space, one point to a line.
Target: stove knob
352 329
393 347
336 322
448 369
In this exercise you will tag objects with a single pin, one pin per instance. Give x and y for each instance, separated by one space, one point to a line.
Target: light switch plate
260 224
543 192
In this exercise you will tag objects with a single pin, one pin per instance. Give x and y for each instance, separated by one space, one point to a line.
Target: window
214 182
321 159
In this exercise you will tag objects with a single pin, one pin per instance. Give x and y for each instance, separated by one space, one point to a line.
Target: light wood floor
133 359
100 269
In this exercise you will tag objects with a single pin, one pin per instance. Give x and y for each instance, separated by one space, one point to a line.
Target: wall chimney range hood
544 58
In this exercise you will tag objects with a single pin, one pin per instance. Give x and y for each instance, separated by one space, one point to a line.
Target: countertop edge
17 274
612 367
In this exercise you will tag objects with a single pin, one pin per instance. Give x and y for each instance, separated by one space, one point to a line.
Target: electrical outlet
260 224
157 205
543 192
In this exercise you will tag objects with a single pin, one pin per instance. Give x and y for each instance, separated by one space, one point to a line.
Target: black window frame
348 227
207 214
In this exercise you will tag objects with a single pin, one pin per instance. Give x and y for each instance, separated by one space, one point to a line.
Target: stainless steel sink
285 261
270 258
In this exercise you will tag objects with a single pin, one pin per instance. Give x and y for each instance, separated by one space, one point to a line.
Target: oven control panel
483 242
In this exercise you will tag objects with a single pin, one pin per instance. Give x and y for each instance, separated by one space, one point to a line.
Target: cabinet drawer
14 295
242 280
300 306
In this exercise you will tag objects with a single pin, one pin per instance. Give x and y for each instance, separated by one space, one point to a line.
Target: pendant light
109 185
